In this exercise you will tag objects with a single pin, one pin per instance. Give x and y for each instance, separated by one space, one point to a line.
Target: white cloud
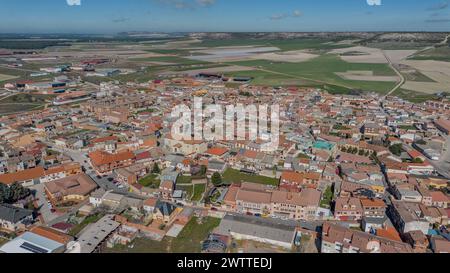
374 2
73 2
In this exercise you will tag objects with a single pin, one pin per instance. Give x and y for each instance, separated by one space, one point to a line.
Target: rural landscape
172 129
413 66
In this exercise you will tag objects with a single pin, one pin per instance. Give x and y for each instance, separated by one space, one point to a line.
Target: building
265 230
348 208
94 236
339 239
104 162
261 200
13 218
31 242
74 188
408 217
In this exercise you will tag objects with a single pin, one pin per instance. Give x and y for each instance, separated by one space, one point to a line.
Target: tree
13 193
216 179
156 168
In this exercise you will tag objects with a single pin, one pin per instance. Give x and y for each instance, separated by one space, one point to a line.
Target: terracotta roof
438 196
101 157
79 184
24 175
372 203
52 234
218 151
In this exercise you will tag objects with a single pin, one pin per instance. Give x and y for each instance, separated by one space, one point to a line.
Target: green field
188 241
321 70
234 176
414 97
436 54
170 59
283 45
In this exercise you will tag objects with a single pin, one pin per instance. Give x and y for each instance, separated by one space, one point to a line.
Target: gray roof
273 229
13 214
95 233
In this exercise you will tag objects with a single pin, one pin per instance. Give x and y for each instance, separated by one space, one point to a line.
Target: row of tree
13 193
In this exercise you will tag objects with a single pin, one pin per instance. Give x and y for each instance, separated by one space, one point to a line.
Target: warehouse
265 230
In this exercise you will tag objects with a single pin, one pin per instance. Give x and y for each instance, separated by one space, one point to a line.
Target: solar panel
33 248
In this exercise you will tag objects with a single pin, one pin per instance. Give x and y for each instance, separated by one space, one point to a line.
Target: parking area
45 208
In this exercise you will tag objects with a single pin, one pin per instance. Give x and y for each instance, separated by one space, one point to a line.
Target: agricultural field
23 102
435 54
4 77
323 69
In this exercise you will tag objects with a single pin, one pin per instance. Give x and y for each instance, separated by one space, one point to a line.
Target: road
402 78
106 182
42 203
443 164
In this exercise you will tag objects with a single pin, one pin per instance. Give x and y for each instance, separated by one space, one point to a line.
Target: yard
188 241
88 220
150 181
199 190
234 176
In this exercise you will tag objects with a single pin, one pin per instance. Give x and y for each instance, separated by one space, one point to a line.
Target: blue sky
103 16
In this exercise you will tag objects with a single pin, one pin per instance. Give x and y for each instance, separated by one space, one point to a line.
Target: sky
112 16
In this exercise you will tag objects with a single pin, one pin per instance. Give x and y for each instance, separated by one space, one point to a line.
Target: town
97 170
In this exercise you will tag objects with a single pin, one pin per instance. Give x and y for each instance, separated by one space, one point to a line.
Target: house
294 181
439 245
13 218
373 207
164 212
150 205
298 206
417 240
75 188
186 147
439 199
104 162
348 208
339 239
26 178
166 189
408 217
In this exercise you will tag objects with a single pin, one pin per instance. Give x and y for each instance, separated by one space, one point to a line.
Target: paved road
45 210
443 165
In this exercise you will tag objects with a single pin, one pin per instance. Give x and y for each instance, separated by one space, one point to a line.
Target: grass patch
182 179
189 189
327 198
150 181
413 96
28 98
88 220
188 241
234 176
199 190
